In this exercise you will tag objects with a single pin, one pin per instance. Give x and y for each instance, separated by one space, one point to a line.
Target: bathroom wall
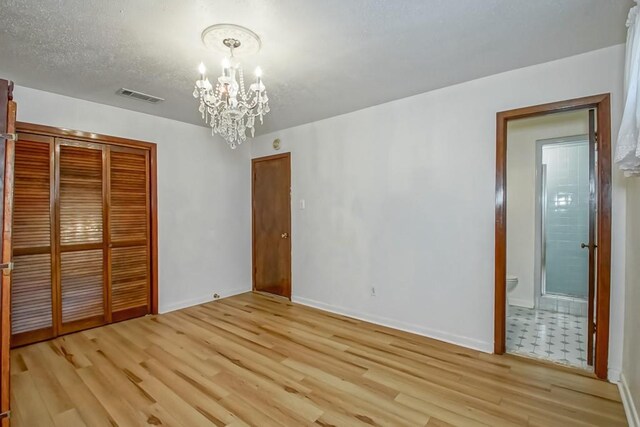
521 193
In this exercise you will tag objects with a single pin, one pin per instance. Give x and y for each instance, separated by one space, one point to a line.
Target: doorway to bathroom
553 225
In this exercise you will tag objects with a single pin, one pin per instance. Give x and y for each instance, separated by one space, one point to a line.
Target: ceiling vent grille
139 95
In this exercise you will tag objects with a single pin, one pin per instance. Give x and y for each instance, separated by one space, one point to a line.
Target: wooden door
81 281
32 297
129 231
7 145
271 193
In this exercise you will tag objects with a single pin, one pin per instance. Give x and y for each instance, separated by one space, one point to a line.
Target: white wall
401 196
521 193
631 357
204 220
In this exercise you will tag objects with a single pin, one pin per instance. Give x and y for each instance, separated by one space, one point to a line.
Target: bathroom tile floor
559 337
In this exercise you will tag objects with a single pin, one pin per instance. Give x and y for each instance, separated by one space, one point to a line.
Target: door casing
7 125
602 104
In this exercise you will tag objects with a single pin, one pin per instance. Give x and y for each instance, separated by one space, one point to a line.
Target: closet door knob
284 236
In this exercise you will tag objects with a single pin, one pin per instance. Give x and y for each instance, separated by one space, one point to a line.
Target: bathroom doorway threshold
589 373
601 103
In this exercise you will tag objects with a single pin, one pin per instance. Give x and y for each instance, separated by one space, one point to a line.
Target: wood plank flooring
257 360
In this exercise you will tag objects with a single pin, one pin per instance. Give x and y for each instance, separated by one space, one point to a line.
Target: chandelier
227 106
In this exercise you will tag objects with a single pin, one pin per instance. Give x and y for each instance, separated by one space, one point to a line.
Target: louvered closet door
81 218
32 300
129 232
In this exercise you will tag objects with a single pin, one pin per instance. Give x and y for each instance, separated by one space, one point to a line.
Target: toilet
512 282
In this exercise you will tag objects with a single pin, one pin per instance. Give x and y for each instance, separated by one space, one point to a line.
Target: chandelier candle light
228 107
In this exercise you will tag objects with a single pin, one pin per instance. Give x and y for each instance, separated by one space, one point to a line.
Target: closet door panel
32 298
81 235
82 279
81 207
129 210
32 221
129 281
129 232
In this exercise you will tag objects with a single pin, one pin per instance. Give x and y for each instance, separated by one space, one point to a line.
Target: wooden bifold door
82 242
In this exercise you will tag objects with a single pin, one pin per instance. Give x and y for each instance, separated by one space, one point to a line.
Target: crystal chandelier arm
202 96
251 106
215 105
258 96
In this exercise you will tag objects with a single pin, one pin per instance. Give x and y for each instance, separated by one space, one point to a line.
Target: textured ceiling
320 58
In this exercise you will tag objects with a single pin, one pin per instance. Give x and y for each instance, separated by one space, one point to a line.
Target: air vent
139 95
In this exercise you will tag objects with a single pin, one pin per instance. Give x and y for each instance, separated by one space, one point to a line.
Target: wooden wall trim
603 253
7 125
153 183
71 135
602 103
272 157
500 311
82 135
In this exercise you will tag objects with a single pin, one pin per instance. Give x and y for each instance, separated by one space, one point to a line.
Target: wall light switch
303 204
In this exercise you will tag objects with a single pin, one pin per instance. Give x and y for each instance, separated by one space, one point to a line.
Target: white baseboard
475 344
629 405
200 300
613 375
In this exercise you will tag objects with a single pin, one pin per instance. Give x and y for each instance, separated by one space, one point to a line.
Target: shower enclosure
563 225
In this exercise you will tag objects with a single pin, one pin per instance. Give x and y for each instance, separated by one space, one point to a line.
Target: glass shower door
566 218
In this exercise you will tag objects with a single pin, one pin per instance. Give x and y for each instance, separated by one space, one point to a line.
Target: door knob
284 235
584 245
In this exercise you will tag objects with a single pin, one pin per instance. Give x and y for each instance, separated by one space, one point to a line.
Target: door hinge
594 327
8 267
9 136
5 415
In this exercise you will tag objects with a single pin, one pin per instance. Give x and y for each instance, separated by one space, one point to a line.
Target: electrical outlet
373 291
216 296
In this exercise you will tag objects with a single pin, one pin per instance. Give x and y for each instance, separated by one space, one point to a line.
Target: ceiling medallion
228 107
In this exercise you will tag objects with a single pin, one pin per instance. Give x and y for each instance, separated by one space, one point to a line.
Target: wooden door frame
8 125
69 134
602 103
253 222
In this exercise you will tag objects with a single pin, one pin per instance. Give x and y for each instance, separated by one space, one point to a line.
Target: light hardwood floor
258 360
